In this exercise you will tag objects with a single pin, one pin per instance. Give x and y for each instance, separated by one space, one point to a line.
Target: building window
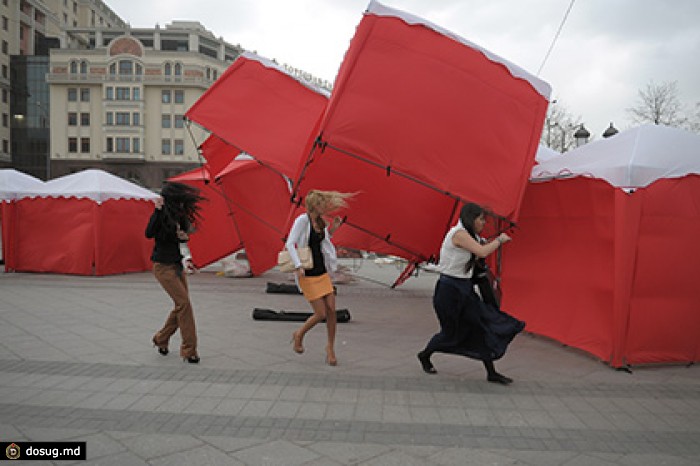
178 69
72 119
136 144
84 94
73 145
165 121
109 93
165 97
136 92
179 121
72 94
4 71
179 97
168 69
5 23
109 118
4 96
5 120
73 67
123 93
83 67
84 119
5 47
139 69
126 67
113 69
123 145
85 145
215 74
123 119
136 119
6 146
165 147
110 145
179 147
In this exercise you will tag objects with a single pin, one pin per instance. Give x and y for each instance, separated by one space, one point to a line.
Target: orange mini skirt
316 287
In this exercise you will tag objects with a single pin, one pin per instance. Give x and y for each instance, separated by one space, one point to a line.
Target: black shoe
499 378
163 351
192 359
428 367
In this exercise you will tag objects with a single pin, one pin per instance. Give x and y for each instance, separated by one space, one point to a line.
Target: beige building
29 29
120 104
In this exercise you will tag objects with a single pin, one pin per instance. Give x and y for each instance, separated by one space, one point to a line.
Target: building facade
120 104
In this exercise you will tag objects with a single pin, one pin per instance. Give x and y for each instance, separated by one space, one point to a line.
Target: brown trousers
174 281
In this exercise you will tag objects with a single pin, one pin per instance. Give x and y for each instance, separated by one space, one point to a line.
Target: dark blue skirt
468 326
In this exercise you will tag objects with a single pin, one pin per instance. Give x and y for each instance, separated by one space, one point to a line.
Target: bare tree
559 127
659 104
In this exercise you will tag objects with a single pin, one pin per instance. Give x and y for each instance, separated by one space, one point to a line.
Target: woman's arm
462 239
300 225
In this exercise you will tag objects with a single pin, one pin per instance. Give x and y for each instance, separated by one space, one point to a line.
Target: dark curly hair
180 205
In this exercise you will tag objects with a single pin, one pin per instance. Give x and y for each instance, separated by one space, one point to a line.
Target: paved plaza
77 364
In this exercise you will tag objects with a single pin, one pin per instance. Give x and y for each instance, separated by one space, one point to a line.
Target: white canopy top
633 158
545 153
15 184
97 185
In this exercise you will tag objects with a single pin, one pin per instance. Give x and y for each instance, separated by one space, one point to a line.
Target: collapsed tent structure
245 113
419 121
87 223
606 255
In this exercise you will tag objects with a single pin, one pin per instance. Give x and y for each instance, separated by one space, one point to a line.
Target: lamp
611 131
581 136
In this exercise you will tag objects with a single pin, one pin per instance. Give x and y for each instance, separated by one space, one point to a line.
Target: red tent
260 109
608 270
13 185
87 223
418 121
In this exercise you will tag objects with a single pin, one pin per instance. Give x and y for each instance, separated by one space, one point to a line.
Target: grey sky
606 52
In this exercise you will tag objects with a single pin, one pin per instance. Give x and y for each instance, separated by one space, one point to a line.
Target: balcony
123 157
66 78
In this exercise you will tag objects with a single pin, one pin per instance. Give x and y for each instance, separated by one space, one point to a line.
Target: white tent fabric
545 153
633 158
94 184
15 184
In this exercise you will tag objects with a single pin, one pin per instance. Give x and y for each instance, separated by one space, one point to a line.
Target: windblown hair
469 213
180 205
332 200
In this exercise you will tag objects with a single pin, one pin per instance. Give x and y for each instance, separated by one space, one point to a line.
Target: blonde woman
310 229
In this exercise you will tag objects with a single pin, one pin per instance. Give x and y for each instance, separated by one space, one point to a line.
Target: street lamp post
611 131
581 136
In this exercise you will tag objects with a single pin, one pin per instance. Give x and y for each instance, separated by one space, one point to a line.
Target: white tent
94 184
15 184
633 158
545 153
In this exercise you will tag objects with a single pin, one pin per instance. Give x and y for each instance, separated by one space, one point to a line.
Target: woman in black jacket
171 223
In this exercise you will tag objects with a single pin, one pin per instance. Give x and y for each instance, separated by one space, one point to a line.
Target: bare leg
331 324
319 309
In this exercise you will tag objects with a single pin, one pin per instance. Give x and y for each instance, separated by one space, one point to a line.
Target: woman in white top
468 326
310 229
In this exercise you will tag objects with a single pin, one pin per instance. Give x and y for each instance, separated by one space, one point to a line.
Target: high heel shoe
161 349
192 359
428 367
499 378
330 357
296 342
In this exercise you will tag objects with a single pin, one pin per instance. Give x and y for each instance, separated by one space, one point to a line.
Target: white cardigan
299 237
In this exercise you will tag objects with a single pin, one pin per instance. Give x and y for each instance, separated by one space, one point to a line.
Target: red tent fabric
86 223
418 120
216 236
240 214
258 108
609 272
218 153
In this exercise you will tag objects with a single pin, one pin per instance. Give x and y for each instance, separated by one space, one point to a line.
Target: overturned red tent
87 223
608 270
260 109
418 121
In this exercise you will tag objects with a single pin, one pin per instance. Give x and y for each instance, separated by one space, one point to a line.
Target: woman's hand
503 238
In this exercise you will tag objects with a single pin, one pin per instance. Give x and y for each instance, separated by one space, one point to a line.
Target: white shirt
299 237
454 259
